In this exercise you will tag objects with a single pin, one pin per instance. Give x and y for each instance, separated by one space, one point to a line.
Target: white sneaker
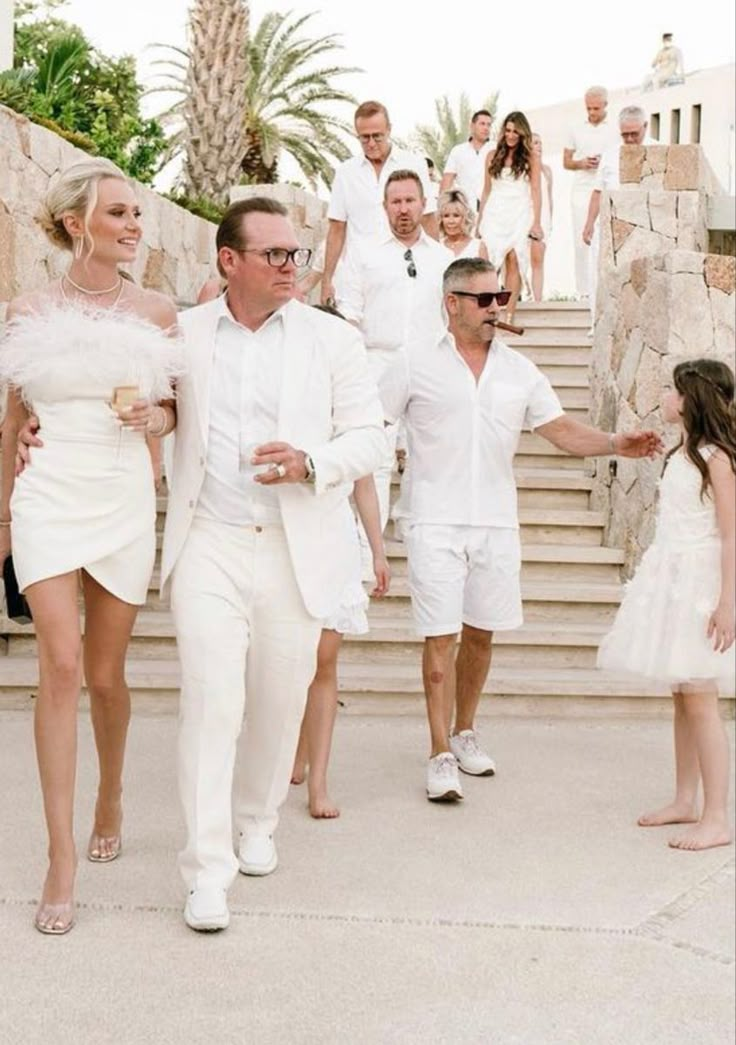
206 909
443 782
469 755
257 855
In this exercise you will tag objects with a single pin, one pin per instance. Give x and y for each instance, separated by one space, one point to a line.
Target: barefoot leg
299 772
683 808
701 709
319 721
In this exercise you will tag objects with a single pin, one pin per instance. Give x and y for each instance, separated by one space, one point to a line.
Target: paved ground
535 913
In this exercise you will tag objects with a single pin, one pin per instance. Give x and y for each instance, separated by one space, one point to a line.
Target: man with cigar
465 398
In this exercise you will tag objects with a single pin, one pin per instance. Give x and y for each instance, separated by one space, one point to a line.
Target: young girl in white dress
456 221
676 622
91 356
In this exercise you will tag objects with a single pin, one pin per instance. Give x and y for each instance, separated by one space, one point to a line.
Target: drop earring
78 248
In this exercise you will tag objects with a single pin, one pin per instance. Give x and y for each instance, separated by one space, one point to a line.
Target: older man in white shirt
276 414
392 291
356 209
466 397
586 144
466 165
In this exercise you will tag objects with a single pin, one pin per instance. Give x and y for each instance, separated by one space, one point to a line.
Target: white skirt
350 617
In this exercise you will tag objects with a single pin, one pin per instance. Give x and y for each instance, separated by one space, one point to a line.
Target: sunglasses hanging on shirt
410 266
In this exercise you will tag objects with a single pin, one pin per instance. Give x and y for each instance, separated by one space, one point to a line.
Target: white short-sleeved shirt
357 194
391 307
590 139
463 435
468 164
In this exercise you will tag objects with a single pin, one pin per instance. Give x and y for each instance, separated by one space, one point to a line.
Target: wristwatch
311 476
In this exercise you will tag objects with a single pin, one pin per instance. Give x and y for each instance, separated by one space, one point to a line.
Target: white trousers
378 361
580 201
246 643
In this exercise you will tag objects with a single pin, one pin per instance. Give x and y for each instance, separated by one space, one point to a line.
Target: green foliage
450 129
61 81
200 206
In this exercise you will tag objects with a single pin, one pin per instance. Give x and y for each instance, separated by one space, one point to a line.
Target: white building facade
6 34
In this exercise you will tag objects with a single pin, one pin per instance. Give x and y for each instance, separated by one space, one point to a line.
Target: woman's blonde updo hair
74 192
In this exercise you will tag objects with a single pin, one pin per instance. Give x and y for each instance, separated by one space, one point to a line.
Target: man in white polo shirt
466 397
392 291
586 145
466 165
356 210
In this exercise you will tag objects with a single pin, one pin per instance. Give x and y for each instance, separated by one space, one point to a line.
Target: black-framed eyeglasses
277 257
410 266
485 300
378 137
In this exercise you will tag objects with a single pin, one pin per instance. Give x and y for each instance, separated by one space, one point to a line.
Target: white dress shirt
589 139
357 194
468 164
247 371
391 307
463 434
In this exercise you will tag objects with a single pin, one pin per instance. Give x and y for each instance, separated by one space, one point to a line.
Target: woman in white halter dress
456 221
511 203
84 507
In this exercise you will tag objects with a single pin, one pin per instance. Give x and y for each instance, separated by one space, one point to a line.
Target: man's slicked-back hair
230 231
463 269
481 112
366 109
403 175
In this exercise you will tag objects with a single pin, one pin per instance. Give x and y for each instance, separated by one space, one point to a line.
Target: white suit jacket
329 408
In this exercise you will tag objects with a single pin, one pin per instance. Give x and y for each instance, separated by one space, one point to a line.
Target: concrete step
556 308
568 376
557 356
553 526
549 337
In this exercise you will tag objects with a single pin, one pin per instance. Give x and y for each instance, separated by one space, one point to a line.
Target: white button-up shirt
589 139
468 164
391 307
357 194
463 434
245 392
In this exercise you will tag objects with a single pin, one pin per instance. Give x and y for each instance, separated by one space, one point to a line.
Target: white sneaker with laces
443 782
257 855
471 758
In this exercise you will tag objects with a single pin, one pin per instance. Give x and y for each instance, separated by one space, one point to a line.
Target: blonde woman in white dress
509 218
538 247
91 357
456 221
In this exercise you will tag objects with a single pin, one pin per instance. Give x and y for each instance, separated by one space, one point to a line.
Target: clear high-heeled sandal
103 849
54 919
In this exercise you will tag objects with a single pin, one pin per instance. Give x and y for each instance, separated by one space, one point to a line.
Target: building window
675 127
654 123
695 119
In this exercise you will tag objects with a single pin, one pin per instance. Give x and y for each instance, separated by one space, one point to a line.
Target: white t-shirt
357 194
588 139
463 434
469 167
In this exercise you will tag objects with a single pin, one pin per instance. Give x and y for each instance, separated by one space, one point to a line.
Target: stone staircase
570 584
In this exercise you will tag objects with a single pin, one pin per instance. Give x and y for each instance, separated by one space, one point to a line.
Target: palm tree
214 105
451 127
284 98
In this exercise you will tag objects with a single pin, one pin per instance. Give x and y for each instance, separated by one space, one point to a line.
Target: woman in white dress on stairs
509 218
93 358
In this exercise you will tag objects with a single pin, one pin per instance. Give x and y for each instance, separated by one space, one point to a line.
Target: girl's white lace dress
660 629
87 499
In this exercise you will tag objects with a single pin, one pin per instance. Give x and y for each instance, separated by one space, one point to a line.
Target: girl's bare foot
321 808
105 843
299 773
705 835
674 813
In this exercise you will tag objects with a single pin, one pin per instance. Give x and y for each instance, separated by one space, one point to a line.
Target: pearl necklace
118 286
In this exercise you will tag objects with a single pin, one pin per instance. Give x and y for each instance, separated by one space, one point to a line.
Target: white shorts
464 575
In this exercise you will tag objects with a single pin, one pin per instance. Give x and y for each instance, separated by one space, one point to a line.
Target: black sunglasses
485 300
410 266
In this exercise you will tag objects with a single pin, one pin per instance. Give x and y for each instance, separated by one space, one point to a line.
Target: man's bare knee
476 638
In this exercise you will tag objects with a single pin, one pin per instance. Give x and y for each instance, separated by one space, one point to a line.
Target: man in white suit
276 414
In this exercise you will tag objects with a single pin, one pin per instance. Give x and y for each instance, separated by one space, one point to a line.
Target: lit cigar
507 326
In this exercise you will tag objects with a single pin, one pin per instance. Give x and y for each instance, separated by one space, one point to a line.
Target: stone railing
661 299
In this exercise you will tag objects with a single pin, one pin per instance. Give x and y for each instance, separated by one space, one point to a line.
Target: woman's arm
721 625
15 417
535 178
485 194
550 191
366 501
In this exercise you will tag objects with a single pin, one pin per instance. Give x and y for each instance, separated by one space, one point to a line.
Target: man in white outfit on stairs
277 413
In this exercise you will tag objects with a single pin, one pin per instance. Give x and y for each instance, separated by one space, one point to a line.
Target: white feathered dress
87 499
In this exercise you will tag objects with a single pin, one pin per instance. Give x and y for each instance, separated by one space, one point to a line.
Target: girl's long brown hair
521 162
708 412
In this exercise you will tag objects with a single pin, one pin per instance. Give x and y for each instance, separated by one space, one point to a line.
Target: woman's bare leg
537 251
301 758
512 282
706 725
319 722
109 622
683 809
55 608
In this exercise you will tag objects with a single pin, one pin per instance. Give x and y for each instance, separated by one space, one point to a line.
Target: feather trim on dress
62 346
